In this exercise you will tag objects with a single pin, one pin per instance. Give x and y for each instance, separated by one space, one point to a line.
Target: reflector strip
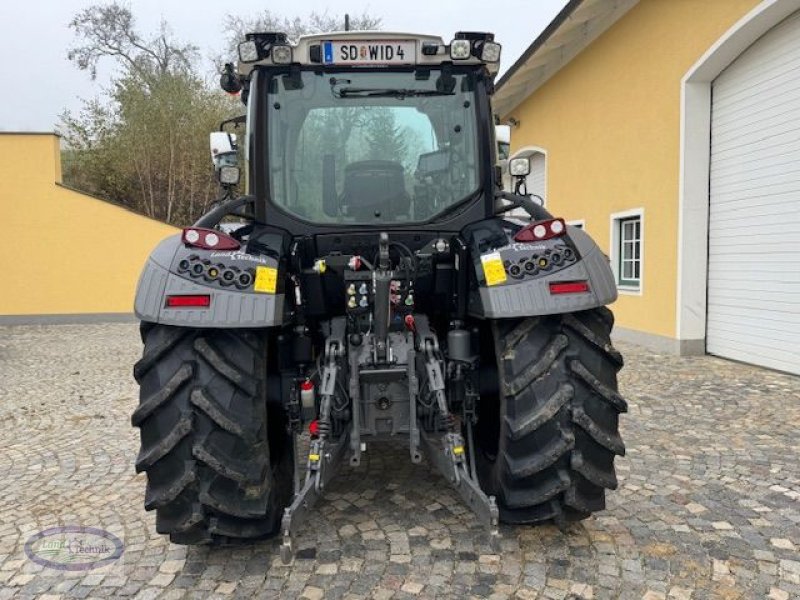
569 287
199 301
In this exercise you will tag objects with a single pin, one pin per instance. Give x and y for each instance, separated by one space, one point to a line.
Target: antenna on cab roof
346 22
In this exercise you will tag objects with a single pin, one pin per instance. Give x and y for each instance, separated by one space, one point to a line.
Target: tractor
372 282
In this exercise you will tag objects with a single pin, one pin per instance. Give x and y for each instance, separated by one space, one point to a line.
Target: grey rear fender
513 279
245 290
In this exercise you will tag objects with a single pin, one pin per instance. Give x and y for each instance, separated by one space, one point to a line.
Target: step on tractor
373 282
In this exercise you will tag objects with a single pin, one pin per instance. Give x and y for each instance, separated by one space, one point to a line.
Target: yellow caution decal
266 280
493 268
313 457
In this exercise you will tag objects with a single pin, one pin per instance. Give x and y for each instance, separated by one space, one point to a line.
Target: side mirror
225 158
229 80
519 167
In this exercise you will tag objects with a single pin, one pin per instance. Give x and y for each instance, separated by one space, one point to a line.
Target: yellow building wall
64 252
609 121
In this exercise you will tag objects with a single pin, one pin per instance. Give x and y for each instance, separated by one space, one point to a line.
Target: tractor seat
375 187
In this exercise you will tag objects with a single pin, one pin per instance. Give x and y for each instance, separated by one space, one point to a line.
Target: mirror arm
215 215
236 121
537 213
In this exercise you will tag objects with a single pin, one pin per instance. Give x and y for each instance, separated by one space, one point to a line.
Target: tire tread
559 407
203 423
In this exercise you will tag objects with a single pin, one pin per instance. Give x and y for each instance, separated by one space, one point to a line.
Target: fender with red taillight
541 268
189 282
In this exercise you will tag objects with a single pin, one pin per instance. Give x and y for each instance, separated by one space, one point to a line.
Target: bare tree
108 31
236 27
145 144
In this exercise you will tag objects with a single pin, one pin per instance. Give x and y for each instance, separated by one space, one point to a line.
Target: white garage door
754 226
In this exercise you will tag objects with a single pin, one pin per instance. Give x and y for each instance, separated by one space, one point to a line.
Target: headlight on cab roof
281 55
460 49
490 52
248 51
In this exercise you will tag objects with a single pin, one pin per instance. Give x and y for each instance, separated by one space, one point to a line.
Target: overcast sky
40 82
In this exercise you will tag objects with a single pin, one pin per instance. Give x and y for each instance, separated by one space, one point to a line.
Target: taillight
208 239
541 230
569 287
189 301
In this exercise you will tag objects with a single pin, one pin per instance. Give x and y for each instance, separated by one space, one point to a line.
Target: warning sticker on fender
266 280
493 268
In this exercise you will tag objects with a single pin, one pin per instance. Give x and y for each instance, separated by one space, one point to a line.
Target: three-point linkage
444 447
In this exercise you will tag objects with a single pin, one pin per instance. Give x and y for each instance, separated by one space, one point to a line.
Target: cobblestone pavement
708 504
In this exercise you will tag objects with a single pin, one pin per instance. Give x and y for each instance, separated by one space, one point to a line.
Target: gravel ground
708 504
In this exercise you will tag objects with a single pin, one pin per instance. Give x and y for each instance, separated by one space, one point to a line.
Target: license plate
355 52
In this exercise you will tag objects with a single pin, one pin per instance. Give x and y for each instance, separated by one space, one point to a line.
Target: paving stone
327 569
20 579
412 587
148 594
226 588
162 580
789 570
679 593
782 543
778 594
171 566
764 555
695 508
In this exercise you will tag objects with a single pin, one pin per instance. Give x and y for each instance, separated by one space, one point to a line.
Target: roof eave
571 31
548 31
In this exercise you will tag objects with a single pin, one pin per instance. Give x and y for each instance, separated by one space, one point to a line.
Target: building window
627 249
630 251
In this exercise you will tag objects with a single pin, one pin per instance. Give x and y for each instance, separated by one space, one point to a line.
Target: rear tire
217 456
546 446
